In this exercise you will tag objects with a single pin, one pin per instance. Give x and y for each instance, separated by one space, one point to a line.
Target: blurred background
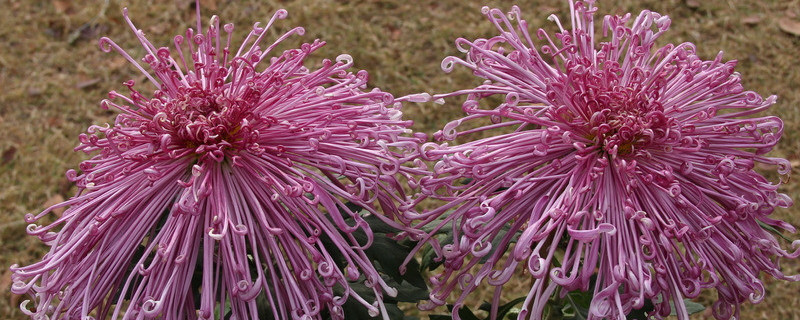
53 76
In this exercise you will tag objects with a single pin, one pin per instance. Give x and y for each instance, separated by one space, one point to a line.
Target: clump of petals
612 165
229 192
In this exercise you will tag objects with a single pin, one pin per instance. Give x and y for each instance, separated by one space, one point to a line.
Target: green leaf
504 309
691 307
263 307
498 238
429 261
354 310
464 313
576 306
641 313
376 224
407 292
428 258
773 230
387 254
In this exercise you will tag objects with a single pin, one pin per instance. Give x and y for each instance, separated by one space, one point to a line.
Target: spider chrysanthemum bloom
621 160
234 180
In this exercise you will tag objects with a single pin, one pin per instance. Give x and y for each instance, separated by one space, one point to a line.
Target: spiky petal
631 162
226 186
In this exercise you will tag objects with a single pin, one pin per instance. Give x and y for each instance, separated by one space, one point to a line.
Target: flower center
618 116
202 117
626 120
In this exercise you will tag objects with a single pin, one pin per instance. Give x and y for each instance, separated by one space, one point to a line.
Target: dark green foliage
386 254
505 311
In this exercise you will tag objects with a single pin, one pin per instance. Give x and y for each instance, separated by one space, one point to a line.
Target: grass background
52 77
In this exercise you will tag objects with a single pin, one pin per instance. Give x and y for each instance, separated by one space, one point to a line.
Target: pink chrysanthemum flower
622 160
229 183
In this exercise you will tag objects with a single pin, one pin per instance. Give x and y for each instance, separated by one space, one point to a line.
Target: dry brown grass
52 77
